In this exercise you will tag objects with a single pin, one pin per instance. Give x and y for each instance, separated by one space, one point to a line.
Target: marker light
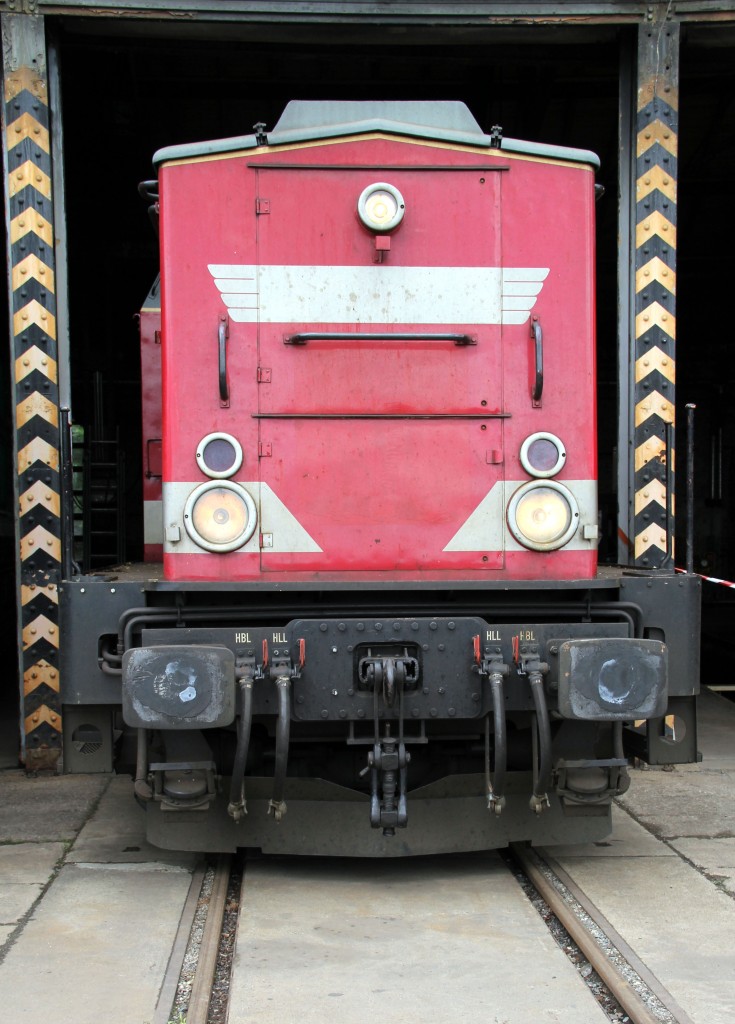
219 455
381 207
543 455
220 516
543 517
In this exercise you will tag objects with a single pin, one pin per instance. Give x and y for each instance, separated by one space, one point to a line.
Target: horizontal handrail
303 337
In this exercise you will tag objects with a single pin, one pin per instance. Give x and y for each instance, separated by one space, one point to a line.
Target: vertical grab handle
538 341
223 330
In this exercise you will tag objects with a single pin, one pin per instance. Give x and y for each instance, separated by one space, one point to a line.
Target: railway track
625 980
198 985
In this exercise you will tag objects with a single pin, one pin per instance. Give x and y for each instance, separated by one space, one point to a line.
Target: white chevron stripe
378 294
485 529
521 288
288 535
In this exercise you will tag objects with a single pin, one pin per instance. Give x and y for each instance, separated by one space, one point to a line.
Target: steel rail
663 995
167 994
619 987
201 989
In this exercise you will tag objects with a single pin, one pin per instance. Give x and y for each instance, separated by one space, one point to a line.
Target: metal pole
690 487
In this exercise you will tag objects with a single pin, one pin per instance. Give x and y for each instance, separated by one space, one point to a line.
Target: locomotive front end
382 628
370 352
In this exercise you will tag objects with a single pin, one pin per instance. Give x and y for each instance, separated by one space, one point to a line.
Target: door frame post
649 127
32 298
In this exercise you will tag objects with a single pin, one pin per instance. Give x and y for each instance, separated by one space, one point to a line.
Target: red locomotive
391 389
381 597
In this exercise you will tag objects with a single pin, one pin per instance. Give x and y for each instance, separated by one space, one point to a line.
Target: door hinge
264 375
262 206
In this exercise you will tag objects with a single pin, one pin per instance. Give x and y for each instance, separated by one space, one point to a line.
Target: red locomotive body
373 387
379 501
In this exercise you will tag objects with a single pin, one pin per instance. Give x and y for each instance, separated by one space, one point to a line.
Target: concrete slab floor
697 803
17 900
714 857
679 923
97 941
431 940
48 807
26 863
96 947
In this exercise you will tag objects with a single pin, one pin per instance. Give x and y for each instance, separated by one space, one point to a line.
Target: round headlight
543 517
220 516
219 455
543 455
381 207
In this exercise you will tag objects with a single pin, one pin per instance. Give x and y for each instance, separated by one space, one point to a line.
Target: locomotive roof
311 120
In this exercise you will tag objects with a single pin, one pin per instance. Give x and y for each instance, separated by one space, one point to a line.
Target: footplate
346 658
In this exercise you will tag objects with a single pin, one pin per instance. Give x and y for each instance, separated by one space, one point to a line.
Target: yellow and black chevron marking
37 407
655 313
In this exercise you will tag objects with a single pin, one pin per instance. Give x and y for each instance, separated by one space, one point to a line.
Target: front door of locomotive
380 398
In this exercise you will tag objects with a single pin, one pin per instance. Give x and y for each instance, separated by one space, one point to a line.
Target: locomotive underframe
377 704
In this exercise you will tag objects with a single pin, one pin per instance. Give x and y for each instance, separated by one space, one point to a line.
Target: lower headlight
220 516
543 516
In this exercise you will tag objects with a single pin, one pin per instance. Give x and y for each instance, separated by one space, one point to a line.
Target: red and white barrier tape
711 579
